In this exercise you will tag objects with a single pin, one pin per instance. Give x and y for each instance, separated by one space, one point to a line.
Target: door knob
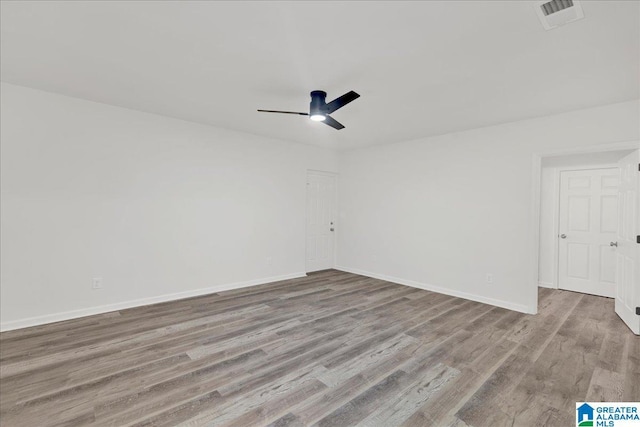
563 236
613 244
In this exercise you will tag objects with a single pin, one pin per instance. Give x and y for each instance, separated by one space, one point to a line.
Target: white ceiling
422 68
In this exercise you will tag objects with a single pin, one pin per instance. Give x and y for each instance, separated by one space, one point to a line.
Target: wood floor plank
332 348
351 385
275 407
632 371
365 403
439 408
336 373
606 386
501 384
287 420
401 407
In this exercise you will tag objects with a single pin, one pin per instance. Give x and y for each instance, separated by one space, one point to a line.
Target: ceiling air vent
554 13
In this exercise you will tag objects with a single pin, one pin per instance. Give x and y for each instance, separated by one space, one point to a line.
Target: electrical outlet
489 278
96 283
269 261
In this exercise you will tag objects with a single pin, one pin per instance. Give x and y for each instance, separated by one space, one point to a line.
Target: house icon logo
585 415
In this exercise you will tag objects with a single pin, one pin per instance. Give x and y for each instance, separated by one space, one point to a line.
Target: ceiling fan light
318 117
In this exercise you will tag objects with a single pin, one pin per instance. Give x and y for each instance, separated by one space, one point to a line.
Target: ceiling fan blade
333 123
341 101
284 112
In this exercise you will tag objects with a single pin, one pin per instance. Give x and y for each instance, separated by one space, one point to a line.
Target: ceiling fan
319 109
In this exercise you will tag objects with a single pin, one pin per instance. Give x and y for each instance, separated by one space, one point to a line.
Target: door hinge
638 311
638 240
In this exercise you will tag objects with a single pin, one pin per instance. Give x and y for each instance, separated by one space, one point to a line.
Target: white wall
549 188
157 207
162 208
444 211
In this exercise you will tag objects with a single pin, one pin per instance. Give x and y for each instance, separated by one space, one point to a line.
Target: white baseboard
74 314
547 285
478 298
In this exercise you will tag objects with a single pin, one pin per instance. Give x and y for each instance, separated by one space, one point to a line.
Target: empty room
320 213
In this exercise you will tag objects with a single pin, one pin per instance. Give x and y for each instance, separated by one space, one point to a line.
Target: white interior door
628 253
588 224
321 198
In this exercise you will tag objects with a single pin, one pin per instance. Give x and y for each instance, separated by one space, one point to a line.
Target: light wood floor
332 349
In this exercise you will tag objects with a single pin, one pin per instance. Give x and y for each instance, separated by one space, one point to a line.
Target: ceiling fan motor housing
319 110
318 102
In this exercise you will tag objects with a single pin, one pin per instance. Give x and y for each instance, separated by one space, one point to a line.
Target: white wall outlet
489 278
269 261
96 283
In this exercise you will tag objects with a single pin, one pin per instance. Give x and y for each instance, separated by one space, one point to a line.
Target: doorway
588 223
321 220
589 244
